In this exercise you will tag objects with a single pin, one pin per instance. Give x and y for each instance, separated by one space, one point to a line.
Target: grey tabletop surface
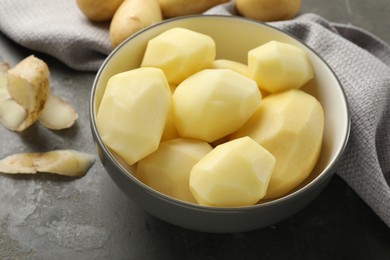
49 217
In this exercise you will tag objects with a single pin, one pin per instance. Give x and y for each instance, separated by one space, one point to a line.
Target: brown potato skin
268 10
98 10
174 8
132 16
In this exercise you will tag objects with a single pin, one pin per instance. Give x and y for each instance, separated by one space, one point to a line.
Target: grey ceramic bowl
234 36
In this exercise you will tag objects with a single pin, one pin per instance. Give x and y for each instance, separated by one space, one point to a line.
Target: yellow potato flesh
237 67
232 65
170 131
179 53
167 170
290 126
133 112
276 144
277 66
214 103
233 174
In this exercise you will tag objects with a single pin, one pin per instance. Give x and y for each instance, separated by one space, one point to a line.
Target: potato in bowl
224 30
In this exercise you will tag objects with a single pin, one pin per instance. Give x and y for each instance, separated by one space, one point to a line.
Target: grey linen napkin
57 28
360 60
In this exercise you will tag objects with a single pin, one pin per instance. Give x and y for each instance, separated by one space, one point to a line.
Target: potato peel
12 115
57 114
25 97
28 84
62 162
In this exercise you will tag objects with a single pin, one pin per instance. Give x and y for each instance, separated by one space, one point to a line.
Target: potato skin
98 10
29 86
268 10
174 8
132 16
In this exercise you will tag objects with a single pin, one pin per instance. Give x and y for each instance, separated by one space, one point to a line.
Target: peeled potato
268 10
278 66
290 126
173 8
170 131
133 112
214 103
261 151
167 170
98 10
232 65
233 174
179 53
132 16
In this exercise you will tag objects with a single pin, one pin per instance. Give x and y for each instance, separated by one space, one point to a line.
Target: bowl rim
310 185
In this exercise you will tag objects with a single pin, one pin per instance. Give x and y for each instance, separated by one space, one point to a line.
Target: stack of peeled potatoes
129 16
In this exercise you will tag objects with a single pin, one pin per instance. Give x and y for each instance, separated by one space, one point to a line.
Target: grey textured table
49 217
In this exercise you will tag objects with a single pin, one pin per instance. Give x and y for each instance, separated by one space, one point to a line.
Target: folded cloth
57 28
360 60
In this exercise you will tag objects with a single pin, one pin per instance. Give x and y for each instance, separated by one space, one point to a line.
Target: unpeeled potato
268 10
98 10
174 8
132 16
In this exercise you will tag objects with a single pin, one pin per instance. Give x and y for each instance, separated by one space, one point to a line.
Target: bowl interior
234 37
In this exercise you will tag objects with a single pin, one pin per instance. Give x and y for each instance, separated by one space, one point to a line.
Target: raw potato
237 67
234 174
179 53
260 151
57 114
132 16
232 65
63 162
133 112
278 66
28 84
168 169
290 126
268 10
170 131
98 10
214 103
174 8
